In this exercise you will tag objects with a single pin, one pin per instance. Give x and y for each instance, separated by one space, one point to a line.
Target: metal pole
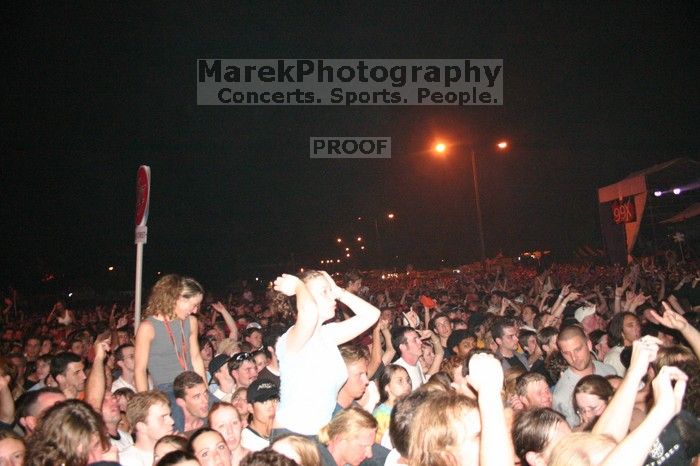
482 249
137 286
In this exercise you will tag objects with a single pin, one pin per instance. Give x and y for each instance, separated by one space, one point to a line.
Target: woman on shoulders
166 340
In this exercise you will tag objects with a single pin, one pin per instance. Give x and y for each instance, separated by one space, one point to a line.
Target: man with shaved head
576 348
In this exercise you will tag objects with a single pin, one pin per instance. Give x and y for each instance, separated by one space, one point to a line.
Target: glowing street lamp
440 148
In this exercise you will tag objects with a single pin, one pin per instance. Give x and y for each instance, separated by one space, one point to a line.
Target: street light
441 148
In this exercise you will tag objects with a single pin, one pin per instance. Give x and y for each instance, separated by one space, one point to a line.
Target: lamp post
441 148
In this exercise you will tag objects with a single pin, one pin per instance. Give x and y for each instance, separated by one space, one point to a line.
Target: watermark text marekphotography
349 82
350 147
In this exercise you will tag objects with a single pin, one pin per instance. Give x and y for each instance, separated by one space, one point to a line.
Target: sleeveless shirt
162 361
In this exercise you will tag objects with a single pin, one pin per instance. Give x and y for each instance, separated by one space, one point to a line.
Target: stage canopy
629 205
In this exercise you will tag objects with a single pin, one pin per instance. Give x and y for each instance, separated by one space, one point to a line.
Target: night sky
93 91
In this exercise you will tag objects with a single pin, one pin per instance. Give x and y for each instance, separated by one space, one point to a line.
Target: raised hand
644 352
485 374
218 307
670 318
412 318
668 397
335 289
287 284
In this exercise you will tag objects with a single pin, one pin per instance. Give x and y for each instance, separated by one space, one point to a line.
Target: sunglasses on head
242 356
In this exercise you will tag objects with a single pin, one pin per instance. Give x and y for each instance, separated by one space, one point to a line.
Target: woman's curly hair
167 291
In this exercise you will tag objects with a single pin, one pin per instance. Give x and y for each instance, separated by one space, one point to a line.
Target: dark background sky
93 91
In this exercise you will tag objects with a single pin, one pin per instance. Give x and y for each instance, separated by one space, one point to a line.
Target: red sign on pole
143 194
624 211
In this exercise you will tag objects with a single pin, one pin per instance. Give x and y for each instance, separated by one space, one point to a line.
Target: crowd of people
493 366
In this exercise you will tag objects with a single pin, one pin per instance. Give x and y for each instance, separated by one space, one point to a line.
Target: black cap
216 363
262 390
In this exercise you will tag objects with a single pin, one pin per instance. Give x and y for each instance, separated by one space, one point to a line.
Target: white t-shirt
415 372
121 383
123 442
253 441
222 395
310 380
612 358
133 456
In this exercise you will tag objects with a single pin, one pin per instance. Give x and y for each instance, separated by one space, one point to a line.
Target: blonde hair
305 448
138 406
581 449
433 433
348 423
167 291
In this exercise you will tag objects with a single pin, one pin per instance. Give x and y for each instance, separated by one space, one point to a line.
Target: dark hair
438 315
615 326
398 336
236 361
60 362
500 324
352 276
266 457
185 380
119 352
524 336
532 429
175 457
385 378
596 335
249 331
27 402
401 419
272 334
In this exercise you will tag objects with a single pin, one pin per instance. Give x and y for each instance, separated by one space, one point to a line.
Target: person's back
319 381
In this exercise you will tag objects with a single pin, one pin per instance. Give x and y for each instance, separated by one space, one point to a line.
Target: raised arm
389 351
365 316
375 356
668 398
437 349
230 323
307 311
95 386
7 403
195 355
144 338
615 420
675 321
486 377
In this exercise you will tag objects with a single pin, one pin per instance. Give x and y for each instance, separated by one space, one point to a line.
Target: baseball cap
262 390
583 312
217 362
253 325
